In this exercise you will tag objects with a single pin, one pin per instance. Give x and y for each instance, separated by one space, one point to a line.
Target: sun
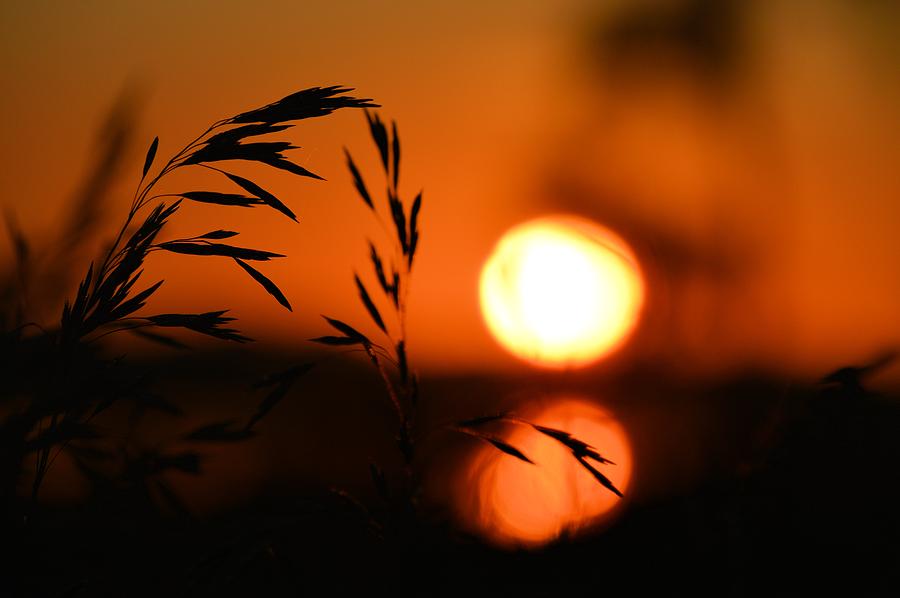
561 291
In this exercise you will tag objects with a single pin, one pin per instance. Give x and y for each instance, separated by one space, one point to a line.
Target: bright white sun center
561 291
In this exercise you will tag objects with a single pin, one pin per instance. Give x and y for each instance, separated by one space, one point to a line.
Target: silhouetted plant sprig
392 275
580 450
107 300
104 297
117 465
278 385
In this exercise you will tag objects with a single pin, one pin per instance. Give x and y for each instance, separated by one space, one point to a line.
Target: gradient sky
503 116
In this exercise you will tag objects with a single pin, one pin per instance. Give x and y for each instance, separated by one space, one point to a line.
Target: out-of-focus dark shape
89 206
279 384
851 378
14 287
702 35
42 274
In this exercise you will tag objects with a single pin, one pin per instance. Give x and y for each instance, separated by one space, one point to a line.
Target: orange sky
502 118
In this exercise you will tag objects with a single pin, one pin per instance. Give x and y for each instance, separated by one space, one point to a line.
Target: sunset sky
760 190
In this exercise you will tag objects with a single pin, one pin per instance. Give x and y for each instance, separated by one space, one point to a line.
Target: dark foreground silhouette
798 495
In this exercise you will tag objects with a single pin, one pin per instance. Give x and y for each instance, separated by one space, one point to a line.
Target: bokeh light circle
515 504
561 291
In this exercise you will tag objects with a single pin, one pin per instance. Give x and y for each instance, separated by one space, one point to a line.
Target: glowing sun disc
561 291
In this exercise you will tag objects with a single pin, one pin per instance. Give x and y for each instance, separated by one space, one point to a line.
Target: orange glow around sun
512 503
561 291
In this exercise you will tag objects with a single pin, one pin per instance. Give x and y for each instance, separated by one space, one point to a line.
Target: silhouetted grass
392 272
56 381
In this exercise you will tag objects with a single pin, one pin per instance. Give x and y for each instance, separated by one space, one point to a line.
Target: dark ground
745 487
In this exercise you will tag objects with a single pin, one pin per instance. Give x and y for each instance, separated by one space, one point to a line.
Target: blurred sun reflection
512 503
